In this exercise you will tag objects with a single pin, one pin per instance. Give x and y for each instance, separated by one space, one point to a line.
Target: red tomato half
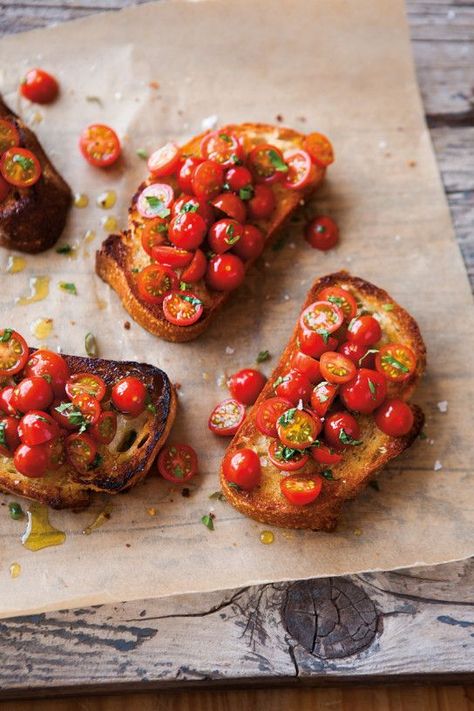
394 418
182 308
224 235
365 392
301 490
81 451
242 468
9 136
105 428
225 272
267 164
300 169
129 395
39 86
251 243
322 397
13 352
286 458
34 393
51 366
172 257
88 406
223 148
226 418
246 385
86 384
396 361
6 400
177 463
154 233
293 386
268 413
207 180
320 149
364 330
155 282
342 298
307 365
341 430
37 427
322 317
4 189
186 173
230 205
196 269
100 145
322 233
8 436
20 167
336 368
164 161
297 428
324 455
32 462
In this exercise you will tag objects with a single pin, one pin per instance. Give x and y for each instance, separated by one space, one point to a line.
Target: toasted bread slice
121 255
360 464
124 462
32 219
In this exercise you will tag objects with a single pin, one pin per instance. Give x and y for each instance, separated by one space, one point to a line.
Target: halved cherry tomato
13 352
307 365
177 463
4 189
32 462
322 233
365 392
301 490
9 136
86 384
230 205
186 173
164 160
100 145
6 400
196 269
187 230
33 393
267 164
358 354
20 167
50 366
190 203
155 200
225 272
9 437
325 455
88 406
81 451
155 282
301 171
37 427
268 413
286 458
341 430
293 386
226 417
221 147
297 428
182 308
246 385
263 202
364 330
251 243
238 178
336 368
396 361
394 418
154 233
224 235
207 180
315 344
170 256
242 468
322 397
342 298
57 452
320 149
322 317
129 395
105 428
39 86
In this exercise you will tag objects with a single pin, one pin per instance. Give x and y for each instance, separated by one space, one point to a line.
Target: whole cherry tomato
365 392
224 235
190 203
251 243
394 418
322 233
322 397
242 468
51 366
37 427
196 270
238 178
186 173
263 202
225 272
364 330
6 400
315 344
307 365
173 257
293 386
231 206
129 395
32 462
325 455
39 86
246 385
341 430
33 393
9 435
187 230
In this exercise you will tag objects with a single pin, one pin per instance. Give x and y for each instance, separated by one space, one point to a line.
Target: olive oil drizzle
39 532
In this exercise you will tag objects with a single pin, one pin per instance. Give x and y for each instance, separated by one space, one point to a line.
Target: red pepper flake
279 118
154 85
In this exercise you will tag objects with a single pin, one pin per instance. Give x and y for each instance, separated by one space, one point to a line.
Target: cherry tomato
226 418
325 455
336 368
81 451
394 418
306 365
242 468
322 397
164 161
177 463
50 366
225 272
322 233
105 428
223 148
251 243
322 317
34 393
88 406
9 437
100 145
366 391
297 428
300 169
230 205
286 458
315 344
186 173
224 235
342 298
358 354
66 415
187 230
396 361
172 257
293 386
32 462
155 201
86 384
13 352
37 427
266 164
263 202
301 490
341 430
196 269
4 189
268 413
39 86
154 233
190 203
20 167
182 308
129 395
207 180
246 385
320 149
6 400
57 452
238 178
155 282
9 136
364 330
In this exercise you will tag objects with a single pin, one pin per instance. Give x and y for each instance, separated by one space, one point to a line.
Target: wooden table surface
443 45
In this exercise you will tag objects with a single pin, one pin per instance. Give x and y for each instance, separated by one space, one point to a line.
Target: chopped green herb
246 193
208 521
189 207
288 453
158 206
97 461
388 307
225 137
217 495
387 358
94 99
16 512
373 389
423 435
135 270
263 356
347 439
91 345
279 165
235 159
68 286
142 153
280 380
151 407
6 335
3 439
327 474
235 486
64 249
26 163
336 300
192 300
231 237
47 377
324 333
287 417
74 416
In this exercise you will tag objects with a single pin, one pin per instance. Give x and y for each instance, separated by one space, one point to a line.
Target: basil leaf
279 165
208 521
70 287
347 439
158 207
263 356
6 335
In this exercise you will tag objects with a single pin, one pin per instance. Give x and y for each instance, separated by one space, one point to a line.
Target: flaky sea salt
437 466
443 405
229 350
